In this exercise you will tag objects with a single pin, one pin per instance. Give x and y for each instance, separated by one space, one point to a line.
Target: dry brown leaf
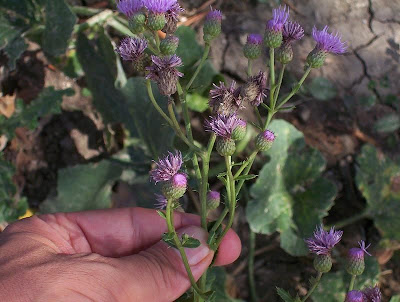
7 105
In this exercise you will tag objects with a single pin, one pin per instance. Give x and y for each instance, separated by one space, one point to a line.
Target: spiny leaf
189 242
168 238
284 295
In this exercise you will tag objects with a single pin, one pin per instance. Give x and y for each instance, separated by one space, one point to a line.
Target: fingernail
195 255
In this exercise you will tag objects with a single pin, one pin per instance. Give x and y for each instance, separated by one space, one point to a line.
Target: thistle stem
252 285
259 118
202 61
155 104
295 88
249 67
171 229
353 279
246 172
272 74
157 38
220 219
278 87
313 287
245 164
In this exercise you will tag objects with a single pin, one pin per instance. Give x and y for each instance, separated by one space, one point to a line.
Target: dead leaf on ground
7 105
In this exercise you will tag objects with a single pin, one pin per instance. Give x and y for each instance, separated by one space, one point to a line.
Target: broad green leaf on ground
48 102
334 285
217 281
388 123
395 299
290 195
150 125
83 187
11 207
191 52
60 21
25 8
378 179
197 102
322 89
14 50
129 105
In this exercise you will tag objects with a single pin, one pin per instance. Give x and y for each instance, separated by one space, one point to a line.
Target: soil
338 128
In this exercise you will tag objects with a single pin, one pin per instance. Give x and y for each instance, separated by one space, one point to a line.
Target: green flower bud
316 58
265 140
156 22
284 54
225 146
240 131
323 263
169 45
175 188
137 23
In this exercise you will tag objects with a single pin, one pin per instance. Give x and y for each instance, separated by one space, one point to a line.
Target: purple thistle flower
279 18
254 39
213 195
131 49
214 14
159 6
167 167
323 241
161 203
373 294
363 247
129 7
225 100
171 17
222 125
329 42
355 296
164 72
269 135
292 31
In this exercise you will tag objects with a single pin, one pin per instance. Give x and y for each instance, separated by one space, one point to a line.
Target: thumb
158 274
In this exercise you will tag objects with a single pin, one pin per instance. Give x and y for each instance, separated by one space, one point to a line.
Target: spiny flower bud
175 188
264 140
252 49
240 130
212 25
372 294
355 296
273 33
213 200
172 18
157 10
225 100
326 43
169 45
284 53
323 263
164 72
253 91
137 23
132 49
355 264
156 22
225 146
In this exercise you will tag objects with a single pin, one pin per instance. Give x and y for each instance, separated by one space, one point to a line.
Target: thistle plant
158 62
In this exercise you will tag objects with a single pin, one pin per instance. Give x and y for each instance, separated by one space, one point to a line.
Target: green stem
171 229
295 88
345 222
278 87
313 287
249 67
259 118
245 164
157 38
246 172
272 74
202 61
353 279
252 285
220 219
155 104
269 119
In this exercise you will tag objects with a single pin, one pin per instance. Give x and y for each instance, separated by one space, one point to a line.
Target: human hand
102 256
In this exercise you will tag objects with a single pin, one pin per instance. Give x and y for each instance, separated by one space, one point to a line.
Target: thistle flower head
322 242
164 72
159 6
373 294
222 125
167 167
254 90
161 202
213 200
279 18
131 49
292 31
129 7
171 17
215 195
355 296
225 100
214 15
358 253
329 42
254 39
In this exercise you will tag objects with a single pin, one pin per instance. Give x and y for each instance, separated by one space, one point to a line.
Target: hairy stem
245 164
259 118
272 74
249 67
353 279
313 287
202 61
278 87
155 104
246 172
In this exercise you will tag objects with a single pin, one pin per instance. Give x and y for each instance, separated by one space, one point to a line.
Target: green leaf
189 242
395 299
217 281
60 21
378 179
246 177
14 50
168 238
197 102
83 187
11 207
284 295
48 102
25 8
322 89
162 214
333 286
290 195
388 123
